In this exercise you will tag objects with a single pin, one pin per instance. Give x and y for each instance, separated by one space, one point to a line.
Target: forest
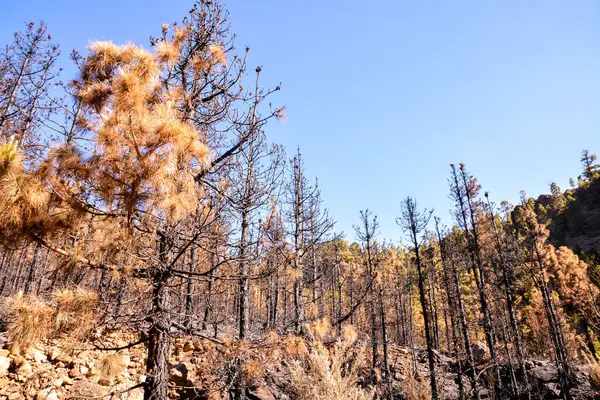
155 245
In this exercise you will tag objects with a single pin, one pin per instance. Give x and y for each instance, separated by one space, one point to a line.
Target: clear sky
382 95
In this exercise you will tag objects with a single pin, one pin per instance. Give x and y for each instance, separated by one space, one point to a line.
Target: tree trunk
159 345
244 283
189 303
426 323
157 364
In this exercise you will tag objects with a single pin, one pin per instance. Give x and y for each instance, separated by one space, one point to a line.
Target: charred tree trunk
159 346
189 303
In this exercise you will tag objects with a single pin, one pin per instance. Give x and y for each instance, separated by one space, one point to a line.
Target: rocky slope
199 370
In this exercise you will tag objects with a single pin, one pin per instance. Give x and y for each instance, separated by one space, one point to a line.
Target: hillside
573 216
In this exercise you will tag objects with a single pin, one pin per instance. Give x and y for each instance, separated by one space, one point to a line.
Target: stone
481 353
47 394
38 356
188 346
262 393
20 360
84 370
178 374
66 379
74 372
181 374
136 394
545 373
53 354
57 383
85 389
4 365
24 372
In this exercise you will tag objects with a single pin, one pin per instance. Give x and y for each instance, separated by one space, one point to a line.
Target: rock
20 360
178 374
136 394
66 379
188 346
481 353
47 394
85 389
38 356
4 353
64 358
262 393
545 373
198 345
15 396
57 383
53 354
84 370
106 381
24 372
4 365
554 388
181 374
74 372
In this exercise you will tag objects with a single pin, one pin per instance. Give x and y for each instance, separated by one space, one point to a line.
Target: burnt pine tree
413 223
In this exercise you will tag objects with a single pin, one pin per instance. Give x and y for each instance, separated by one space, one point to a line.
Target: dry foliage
414 386
328 373
69 315
112 367
29 320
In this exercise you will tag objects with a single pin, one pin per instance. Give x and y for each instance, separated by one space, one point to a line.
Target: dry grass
112 367
328 373
594 371
414 386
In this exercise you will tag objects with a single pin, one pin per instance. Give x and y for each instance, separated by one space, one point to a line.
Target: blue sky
381 97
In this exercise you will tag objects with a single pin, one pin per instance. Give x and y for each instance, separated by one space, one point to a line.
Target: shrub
328 373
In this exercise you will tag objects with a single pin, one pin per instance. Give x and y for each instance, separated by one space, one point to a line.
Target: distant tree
306 227
27 79
591 170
